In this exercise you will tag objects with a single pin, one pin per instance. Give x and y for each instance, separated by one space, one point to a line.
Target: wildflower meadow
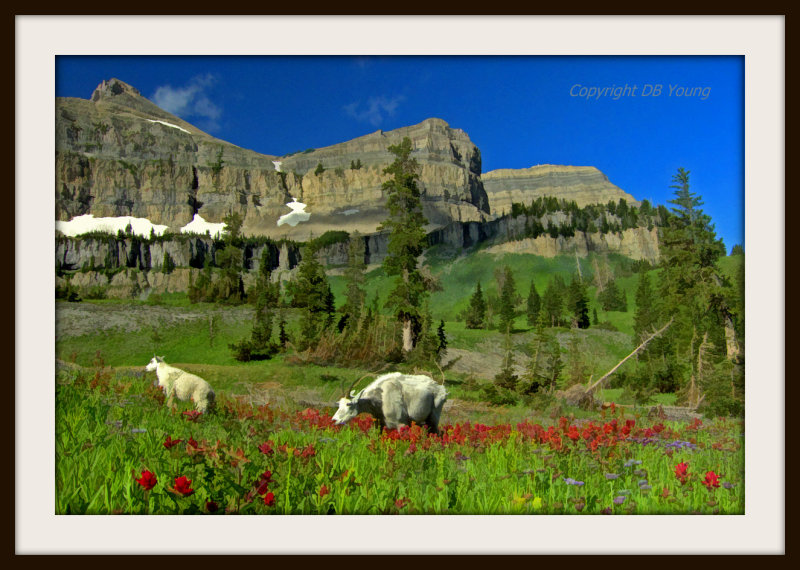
121 450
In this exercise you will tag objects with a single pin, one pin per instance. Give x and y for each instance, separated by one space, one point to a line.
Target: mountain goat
183 385
396 399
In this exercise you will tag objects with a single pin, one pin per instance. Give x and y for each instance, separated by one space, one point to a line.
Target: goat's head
348 409
152 366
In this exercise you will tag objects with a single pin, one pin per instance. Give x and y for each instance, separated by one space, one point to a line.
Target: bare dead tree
635 351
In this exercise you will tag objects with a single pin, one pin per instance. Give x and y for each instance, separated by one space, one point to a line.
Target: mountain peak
111 88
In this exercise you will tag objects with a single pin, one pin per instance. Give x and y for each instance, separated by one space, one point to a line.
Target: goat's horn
353 385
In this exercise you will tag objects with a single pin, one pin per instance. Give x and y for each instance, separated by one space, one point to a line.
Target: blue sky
518 110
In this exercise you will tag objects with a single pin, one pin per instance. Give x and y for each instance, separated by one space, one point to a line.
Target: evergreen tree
693 291
167 266
737 250
319 170
552 304
476 313
407 241
442 337
508 296
595 320
612 298
645 318
506 378
578 299
534 305
311 291
577 371
354 276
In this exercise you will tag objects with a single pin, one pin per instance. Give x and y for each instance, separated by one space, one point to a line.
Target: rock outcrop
583 184
636 243
119 154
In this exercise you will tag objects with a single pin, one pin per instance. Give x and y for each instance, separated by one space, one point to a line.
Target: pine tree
693 291
578 300
354 276
595 320
442 337
311 291
508 296
552 304
612 298
645 318
407 241
167 266
476 313
534 305
506 378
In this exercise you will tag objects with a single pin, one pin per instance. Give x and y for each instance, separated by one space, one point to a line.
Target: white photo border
39 39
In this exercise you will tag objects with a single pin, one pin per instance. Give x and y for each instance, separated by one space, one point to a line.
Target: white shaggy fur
396 399
183 385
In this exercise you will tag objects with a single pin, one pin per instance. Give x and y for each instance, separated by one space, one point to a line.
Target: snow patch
88 223
350 212
277 164
297 215
168 125
199 226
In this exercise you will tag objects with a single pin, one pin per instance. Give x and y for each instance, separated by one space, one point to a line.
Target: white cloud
375 110
190 100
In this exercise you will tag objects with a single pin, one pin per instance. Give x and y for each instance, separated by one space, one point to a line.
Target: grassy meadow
271 447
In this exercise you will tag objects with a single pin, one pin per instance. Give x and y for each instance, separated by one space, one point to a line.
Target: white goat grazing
183 385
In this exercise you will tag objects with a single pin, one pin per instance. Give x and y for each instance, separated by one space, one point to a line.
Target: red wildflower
169 442
192 443
309 451
682 472
183 486
665 493
263 482
572 433
697 423
711 480
266 447
400 503
192 415
269 499
323 491
658 428
212 506
147 480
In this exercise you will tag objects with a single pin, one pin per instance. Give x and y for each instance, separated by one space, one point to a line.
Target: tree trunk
731 346
636 350
408 337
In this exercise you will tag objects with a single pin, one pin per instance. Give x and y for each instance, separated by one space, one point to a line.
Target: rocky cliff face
119 154
636 243
583 184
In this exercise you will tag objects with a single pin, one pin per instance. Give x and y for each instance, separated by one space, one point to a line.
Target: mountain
119 154
583 184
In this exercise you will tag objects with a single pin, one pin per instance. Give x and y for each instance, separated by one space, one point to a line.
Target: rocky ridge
583 184
119 154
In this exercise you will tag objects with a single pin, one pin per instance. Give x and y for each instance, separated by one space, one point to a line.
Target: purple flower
630 462
728 485
645 487
610 476
642 482
571 481
619 500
